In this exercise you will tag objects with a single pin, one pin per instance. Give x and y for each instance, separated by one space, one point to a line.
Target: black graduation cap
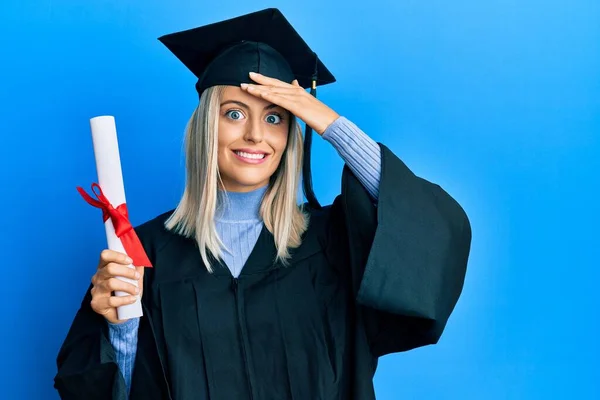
223 53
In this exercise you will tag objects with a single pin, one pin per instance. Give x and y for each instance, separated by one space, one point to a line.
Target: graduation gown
367 281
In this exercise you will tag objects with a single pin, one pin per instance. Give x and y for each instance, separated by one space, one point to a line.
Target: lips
251 151
250 156
254 156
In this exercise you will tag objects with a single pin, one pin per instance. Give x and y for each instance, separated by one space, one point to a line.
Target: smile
251 158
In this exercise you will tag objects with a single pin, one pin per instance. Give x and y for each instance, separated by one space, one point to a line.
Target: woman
250 295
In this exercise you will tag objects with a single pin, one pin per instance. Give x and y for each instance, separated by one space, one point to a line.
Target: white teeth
251 156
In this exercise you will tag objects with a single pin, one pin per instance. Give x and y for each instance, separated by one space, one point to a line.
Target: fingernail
244 85
253 74
128 260
137 290
137 275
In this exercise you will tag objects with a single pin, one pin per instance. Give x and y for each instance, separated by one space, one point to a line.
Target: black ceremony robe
366 281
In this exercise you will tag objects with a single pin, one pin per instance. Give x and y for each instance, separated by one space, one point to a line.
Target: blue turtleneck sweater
238 222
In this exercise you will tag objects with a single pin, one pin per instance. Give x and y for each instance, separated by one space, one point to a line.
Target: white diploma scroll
110 179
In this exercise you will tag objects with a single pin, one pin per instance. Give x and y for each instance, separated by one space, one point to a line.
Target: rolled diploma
110 179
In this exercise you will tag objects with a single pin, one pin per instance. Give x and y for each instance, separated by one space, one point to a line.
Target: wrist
328 119
121 324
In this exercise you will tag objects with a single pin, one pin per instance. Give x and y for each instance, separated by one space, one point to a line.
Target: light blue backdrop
498 101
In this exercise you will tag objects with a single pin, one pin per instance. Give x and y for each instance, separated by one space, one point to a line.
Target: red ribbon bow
120 220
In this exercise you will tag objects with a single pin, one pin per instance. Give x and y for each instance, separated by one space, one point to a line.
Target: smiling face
253 135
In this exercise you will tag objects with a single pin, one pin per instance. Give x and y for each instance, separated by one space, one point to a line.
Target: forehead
235 93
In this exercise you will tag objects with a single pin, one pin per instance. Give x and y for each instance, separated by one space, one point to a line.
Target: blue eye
274 119
234 114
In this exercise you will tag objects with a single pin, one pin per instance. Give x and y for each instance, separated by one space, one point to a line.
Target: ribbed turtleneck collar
238 206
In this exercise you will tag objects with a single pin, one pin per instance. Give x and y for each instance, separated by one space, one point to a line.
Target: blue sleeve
124 337
361 153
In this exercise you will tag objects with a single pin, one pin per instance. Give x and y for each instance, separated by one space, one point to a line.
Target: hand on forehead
233 95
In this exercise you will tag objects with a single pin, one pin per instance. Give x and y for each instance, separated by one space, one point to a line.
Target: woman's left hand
293 98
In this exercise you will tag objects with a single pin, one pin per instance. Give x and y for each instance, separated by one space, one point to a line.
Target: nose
254 132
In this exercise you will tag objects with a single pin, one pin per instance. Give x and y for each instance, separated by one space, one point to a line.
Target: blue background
498 101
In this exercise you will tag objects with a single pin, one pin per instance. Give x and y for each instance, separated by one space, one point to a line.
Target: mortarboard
223 53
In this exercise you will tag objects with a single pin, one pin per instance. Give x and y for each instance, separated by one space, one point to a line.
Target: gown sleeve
405 258
87 367
87 364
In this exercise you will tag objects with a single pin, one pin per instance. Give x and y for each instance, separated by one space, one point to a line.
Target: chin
247 182
246 178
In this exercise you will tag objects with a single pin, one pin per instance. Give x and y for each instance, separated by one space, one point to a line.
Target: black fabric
366 281
223 53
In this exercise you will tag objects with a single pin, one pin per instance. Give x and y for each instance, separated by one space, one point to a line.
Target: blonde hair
194 216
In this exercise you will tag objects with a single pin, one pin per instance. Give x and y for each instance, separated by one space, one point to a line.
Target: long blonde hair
194 216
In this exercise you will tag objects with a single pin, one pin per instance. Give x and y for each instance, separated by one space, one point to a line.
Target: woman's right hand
111 265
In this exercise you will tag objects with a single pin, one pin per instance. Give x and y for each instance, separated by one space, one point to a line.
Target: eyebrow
239 103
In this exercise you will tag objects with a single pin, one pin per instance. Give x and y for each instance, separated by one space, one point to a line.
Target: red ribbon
120 220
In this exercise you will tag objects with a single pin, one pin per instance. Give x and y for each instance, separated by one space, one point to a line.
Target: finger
286 102
107 256
99 293
279 96
102 305
117 285
100 287
97 279
266 80
140 271
118 301
113 269
291 90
